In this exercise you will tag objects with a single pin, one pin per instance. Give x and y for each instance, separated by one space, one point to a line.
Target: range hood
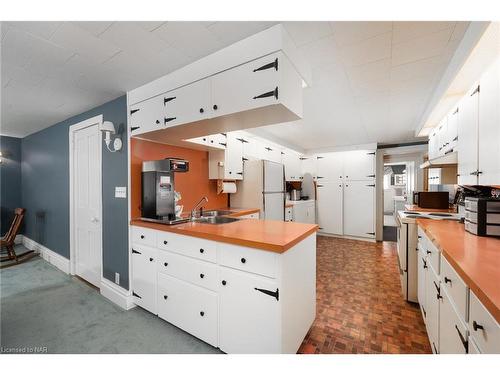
446 160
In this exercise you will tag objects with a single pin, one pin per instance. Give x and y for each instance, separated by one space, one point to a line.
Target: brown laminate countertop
476 259
414 207
270 235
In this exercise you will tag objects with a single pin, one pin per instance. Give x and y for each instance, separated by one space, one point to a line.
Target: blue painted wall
45 188
10 180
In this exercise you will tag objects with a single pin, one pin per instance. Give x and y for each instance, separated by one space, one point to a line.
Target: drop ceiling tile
369 50
48 59
191 38
405 31
95 28
347 32
18 47
416 69
40 29
20 74
420 48
306 32
77 40
321 52
228 32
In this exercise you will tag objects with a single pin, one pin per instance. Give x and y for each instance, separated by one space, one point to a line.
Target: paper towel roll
228 187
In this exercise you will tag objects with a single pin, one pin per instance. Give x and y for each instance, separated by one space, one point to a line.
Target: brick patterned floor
360 308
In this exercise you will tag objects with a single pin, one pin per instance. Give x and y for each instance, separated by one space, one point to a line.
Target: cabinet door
442 136
218 140
330 167
330 207
310 213
452 130
452 332
359 165
432 303
233 168
468 139
249 318
359 208
309 165
300 213
271 153
187 104
144 277
248 86
252 149
422 274
292 163
489 127
146 116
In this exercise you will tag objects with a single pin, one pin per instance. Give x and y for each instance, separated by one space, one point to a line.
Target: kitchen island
248 286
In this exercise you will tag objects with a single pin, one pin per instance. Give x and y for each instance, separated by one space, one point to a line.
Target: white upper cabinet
489 127
442 136
309 165
270 152
452 131
467 138
359 165
433 145
293 165
234 158
147 116
187 104
330 167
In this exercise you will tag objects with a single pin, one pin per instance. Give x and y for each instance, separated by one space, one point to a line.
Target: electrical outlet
117 278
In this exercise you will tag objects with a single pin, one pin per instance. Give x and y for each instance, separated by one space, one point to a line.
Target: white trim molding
117 294
19 239
48 255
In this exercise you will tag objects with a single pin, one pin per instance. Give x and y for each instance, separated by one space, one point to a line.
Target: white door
359 165
468 139
330 207
359 207
249 318
87 203
489 127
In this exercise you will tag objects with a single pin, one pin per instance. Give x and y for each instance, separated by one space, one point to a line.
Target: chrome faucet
199 204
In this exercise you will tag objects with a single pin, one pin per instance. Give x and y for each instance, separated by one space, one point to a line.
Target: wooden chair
8 240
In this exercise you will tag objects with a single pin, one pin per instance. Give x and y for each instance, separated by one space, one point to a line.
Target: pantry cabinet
359 165
330 201
144 276
359 196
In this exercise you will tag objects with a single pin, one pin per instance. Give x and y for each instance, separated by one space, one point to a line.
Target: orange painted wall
192 185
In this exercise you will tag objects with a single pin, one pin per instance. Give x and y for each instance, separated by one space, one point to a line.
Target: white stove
407 247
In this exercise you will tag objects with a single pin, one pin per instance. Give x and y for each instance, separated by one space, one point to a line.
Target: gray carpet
42 307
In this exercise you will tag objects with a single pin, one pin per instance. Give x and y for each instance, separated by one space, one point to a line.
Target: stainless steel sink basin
213 213
216 219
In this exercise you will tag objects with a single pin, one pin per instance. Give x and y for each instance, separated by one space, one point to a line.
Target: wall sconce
108 128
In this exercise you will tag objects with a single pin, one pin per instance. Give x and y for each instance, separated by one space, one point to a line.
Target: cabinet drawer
188 307
483 327
143 236
186 245
188 269
455 287
251 260
433 255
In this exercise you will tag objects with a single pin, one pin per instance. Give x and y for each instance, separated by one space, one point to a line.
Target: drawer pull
165 264
165 297
202 276
202 313
142 236
477 326
202 251
446 280
429 252
165 242
270 293
151 259
224 282
465 343
243 260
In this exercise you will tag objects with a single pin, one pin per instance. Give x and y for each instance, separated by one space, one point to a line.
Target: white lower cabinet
432 296
188 307
452 330
483 327
422 270
304 211
330 198
250 318
240 299
359 196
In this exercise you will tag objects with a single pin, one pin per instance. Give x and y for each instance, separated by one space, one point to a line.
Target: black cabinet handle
142 236
428 252
135 252
270 65
151 259
241 173
244 159
215 107
166 100
243 260
446 280
270 293
165 242
202 276
165 264
465 343
268 94
224 282
157 121
202 110
476 326
165 297
202 251
425 263
168 119
202 313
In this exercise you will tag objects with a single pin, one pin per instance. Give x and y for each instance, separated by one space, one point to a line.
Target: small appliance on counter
432 199
158 190
482 216
295 194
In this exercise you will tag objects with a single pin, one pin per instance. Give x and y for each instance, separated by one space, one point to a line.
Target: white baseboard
19 239
50 256
116 294
346 237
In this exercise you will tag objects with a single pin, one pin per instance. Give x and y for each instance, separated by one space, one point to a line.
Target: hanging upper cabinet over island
252 83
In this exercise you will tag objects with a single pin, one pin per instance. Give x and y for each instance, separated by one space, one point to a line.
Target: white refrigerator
263 187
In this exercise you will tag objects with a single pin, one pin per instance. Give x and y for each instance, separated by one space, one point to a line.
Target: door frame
72 131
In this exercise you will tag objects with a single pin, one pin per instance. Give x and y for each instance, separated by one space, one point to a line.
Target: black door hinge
136 295
319 185
244 159
269 149
303 158
134 111
270 293
370 153
241 173
320 157
223 144
478 89
371 175
268 94
456 111
270 65
371 233
134 128
135 252
168 119
166 100
371 185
